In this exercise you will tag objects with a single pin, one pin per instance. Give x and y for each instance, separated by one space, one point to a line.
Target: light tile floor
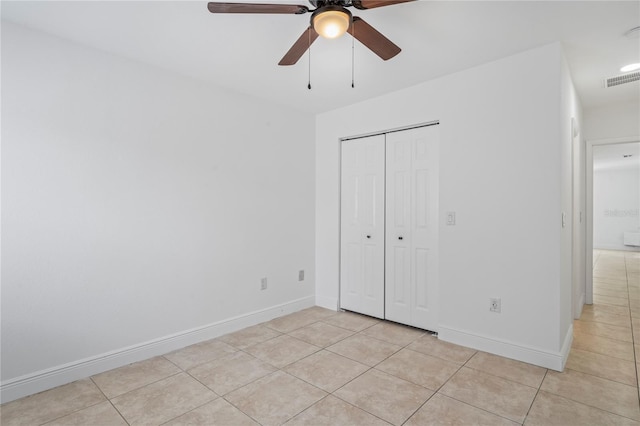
318 367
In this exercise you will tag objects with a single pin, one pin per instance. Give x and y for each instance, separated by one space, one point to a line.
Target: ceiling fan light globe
332 23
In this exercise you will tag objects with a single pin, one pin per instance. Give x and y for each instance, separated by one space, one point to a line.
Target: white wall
613 121
503 171
138 204
616 203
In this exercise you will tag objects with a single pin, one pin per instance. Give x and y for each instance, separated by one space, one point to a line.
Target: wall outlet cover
451 218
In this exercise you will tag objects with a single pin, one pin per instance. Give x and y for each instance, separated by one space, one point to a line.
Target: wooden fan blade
370 37
299 47
370 4
215 7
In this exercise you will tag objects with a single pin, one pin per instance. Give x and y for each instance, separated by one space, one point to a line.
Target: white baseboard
581 301
618 247
566 346
327 302
546 359
56 376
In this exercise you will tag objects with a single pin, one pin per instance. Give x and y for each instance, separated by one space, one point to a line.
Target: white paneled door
411 272
389 226
362 226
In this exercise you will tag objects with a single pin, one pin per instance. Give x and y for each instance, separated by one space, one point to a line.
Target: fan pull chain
353 50
309 33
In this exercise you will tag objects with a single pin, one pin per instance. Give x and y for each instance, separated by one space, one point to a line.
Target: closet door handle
399 238
368 236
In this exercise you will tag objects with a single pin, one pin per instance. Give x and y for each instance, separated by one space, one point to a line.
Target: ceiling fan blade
299 47
370 37
215 7
370 4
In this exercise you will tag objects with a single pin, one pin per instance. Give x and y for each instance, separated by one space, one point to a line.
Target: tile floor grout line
605 337
363 409
495 414
599 377
438 391
329 394
193 409
71 412
633 341
587 405
240 387
146 384
347 402
246 384
535 396
333 343
239 409
505 378
297 414
630 316
440 387
119 413
167 359
420 407
374 368
278 369
607 355
611 356
110 402
478 408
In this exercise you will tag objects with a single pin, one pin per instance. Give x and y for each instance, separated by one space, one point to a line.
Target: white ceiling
612 157
241 52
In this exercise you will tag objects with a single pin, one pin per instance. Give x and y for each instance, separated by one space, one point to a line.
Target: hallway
605 336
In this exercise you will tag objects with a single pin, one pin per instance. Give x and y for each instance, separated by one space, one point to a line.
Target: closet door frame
340 179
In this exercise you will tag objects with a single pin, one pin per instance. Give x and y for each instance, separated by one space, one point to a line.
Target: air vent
622 79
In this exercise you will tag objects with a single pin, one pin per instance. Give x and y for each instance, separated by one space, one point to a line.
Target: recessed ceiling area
240 52
624 156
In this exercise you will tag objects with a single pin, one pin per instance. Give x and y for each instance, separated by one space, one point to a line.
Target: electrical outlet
301 275
451 218
263 283
495 305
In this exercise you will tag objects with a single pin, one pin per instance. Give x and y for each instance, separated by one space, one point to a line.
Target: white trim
581 300
589 208
619 247
51 377
566 347
543 358
396 129
327 302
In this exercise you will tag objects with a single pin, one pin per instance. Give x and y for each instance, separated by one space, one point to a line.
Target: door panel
421 263
412 184
362 226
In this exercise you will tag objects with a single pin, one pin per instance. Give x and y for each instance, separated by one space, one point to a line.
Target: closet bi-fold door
411 272
362 226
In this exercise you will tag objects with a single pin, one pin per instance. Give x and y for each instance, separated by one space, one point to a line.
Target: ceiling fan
330 19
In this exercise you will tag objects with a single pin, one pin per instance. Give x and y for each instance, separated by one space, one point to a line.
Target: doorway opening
613 209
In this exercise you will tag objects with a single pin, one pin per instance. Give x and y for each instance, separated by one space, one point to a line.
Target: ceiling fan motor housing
321 3
331 21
